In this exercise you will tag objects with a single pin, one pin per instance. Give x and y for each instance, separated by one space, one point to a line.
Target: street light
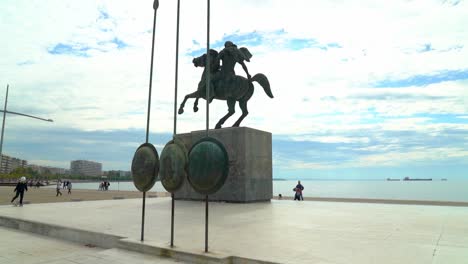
5 111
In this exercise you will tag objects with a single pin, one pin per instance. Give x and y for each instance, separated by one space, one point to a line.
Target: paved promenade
280 231
48 195
27 248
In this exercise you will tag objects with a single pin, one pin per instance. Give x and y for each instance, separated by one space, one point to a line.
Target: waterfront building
47 169
117 173
10 163
85 168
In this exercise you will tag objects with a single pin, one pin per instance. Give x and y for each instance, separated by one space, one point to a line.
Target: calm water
451 190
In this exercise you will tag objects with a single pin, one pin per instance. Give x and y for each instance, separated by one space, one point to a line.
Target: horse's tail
263 81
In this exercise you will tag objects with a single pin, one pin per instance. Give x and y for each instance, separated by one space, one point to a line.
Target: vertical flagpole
155 7
208 81
3 127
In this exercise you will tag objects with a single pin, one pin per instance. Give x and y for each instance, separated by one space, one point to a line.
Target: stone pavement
27 248
277 231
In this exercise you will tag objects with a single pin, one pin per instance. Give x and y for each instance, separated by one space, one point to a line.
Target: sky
363 89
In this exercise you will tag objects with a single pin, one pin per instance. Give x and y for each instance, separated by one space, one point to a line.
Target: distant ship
444 179
416 179
390 179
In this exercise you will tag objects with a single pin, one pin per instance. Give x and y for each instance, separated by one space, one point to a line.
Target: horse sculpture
232 89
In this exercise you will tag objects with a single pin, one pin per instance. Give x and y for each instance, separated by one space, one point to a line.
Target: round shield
208 166
174 159
145 167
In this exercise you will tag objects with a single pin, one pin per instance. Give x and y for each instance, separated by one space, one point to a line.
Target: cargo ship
416 179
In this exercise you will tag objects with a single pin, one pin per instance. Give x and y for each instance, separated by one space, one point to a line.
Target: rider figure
231 55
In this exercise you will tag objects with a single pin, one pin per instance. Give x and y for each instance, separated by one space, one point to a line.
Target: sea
436 190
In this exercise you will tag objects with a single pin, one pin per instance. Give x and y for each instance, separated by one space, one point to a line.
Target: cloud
276 39
352 82
423 80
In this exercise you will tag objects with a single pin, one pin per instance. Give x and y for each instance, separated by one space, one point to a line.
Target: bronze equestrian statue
225 84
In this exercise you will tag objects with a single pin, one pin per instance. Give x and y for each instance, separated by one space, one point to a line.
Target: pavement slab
278 231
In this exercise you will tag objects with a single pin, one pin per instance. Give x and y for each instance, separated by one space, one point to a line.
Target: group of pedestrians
22 186
66 185
104 186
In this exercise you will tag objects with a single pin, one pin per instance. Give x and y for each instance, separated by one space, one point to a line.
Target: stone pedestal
250 165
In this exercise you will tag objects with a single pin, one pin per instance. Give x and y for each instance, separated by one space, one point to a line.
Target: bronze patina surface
174 162
224 83
145 167
208 166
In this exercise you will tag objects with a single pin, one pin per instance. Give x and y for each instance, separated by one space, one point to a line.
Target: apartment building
85 168
10 163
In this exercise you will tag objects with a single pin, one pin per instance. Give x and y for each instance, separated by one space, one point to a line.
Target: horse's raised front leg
245 112
195 105
231 110
192 95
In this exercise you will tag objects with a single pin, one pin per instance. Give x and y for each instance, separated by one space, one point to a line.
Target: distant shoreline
379 201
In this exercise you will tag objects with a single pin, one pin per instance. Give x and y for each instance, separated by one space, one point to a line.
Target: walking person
19 189
299 188
58 188
69 186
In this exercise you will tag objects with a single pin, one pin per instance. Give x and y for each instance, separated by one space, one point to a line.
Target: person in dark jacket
299 188
19 189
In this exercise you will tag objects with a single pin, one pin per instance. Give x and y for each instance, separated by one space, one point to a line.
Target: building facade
47 169
85 168
10 163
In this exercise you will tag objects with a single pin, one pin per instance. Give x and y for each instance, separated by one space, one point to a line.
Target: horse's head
201 60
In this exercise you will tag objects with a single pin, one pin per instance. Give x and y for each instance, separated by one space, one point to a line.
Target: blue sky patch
424 80
443 118
103 14
66 49
427 47
255 38
120 44
23 63
81 50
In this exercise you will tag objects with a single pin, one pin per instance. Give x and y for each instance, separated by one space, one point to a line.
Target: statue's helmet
228 44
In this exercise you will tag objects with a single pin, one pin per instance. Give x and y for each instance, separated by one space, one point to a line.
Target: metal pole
172 220
206 223
3 129
143 218
208 80
175 111
155 7
16 113
176 68
208 77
